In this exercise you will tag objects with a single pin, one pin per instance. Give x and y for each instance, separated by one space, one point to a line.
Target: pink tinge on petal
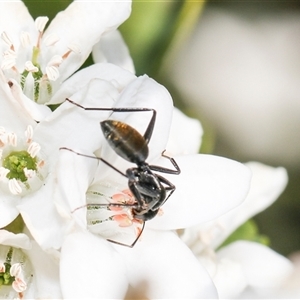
124 197
128 193
123 220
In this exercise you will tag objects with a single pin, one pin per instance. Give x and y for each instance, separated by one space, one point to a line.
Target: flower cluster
78 212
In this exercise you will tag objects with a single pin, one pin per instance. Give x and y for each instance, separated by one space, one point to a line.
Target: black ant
150 190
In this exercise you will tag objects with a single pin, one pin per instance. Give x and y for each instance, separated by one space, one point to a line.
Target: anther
30 67
7 39
29 134
25 39
14 187
33 149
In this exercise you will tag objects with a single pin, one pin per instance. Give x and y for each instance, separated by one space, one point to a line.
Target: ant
150 190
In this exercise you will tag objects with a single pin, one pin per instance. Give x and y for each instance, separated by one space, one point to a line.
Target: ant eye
109 214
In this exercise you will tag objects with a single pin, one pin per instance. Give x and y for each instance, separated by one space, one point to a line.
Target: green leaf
16 226
46 8
155 27
249 232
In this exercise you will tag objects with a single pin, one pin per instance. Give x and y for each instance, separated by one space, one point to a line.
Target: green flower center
38 77
16 162
5 277
15 272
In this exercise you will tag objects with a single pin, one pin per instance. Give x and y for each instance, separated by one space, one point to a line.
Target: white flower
159 265
27 271
242 74
41 58
113 49
242 266
29 152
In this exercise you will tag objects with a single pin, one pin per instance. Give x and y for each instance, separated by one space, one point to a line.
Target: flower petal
20 240
45 282
262 267
87 21
229 279
185 135
266 185
74 127
74 175
90 268
207 187
80 79
15 18
41 217
160 266
36 111
11 116
8 211
113 49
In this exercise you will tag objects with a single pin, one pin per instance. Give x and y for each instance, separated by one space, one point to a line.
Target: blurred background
234 65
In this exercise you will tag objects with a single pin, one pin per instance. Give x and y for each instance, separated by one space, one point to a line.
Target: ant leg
166 170
148 133
132 184
94 157
132 245
169 187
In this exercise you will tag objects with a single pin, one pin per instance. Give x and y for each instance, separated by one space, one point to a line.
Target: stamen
25 39
33 149
40 23
3 173
52 73
14 187
16 270
3 137
19 285
15 274
7 39
12 139
9 59
52 67
2 267
30 67
56 60
29 134
29 173
2 130
51 39
40 164
74 48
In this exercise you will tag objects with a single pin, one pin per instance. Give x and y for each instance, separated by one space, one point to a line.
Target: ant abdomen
126 141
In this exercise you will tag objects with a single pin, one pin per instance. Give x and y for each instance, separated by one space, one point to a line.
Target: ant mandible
149 189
